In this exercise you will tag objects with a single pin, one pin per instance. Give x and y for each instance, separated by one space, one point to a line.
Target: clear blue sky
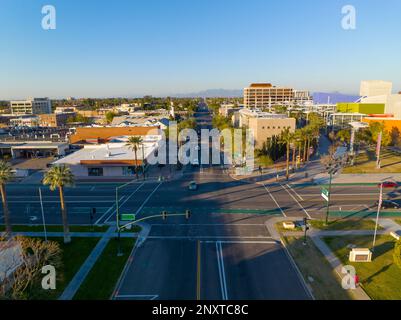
130 47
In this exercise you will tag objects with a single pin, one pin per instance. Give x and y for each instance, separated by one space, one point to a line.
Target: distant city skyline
176 47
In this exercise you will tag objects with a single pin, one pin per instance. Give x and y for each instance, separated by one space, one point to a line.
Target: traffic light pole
328 199
378 214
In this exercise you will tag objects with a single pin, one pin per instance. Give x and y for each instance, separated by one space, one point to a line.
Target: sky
104 48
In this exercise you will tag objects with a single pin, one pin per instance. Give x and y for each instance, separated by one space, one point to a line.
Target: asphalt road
223 251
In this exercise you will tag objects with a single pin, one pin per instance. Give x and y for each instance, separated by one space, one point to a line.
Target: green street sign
325 194
127 217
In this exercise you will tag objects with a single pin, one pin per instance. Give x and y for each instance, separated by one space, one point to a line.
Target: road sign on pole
127 217
325 194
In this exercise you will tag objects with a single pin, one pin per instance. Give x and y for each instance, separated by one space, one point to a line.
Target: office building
31 106
265 95
375 88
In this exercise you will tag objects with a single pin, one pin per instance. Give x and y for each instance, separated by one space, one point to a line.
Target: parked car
389 184
192 185
388 204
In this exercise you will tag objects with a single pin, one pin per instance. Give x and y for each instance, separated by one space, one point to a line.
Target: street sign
325 194
127 217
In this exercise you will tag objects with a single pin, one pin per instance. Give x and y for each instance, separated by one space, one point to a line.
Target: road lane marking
207 237
147 199
139 296
222 276
198 278
140 186
303 209
241 241
300 198
278 206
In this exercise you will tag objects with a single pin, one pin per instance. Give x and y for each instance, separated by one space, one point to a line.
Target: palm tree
286 138
60 177
133 143
297 144
5 175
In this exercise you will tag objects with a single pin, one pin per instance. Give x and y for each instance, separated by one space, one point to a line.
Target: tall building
375 88
263 95
31 106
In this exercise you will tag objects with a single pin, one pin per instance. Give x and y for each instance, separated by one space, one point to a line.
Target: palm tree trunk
308 153
287 175
5 210
67 237
136 165
294 151
304 157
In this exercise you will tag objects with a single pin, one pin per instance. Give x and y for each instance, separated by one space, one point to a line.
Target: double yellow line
198 273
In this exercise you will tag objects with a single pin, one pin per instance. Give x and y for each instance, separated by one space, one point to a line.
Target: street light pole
377 217
328 197
119 253
43 214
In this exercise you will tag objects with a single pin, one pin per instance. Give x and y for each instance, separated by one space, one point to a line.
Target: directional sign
127 217
325 194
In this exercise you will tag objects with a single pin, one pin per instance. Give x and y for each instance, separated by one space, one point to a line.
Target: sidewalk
86 267
316 236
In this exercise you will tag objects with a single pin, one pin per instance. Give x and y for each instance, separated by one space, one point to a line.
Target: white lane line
58 201
147 199
300 198
341 194
222 275
113 206
139 296
278 206
303 209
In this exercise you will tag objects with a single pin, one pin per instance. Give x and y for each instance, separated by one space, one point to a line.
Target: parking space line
303 209
278 206
198 278
150 296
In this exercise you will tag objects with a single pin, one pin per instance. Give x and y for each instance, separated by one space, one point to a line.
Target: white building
111 160
31 106
375 88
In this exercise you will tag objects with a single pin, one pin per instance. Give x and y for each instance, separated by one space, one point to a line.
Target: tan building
264 128
31 106
264 95
54 120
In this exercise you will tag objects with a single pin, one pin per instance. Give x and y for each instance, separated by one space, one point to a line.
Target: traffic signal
187 214
306 226
164 215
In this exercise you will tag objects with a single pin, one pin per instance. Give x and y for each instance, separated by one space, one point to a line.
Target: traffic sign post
325 194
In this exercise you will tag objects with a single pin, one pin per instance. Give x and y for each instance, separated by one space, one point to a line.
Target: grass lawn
39 228
73 256
342 224
366 163
380 278
101 281
325 285
398 221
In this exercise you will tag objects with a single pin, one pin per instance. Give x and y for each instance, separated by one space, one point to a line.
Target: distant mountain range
212 93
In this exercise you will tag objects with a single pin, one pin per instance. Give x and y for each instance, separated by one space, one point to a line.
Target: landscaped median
55 228
381 278
101 280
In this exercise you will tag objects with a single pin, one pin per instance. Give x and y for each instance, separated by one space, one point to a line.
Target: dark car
388 204
389 184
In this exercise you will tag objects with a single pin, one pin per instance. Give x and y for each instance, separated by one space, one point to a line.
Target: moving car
388 204
192 185
389 184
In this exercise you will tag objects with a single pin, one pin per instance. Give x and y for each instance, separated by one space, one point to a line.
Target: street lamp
333 167
119 252
378 213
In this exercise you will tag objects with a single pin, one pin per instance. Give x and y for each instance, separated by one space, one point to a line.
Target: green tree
110 116
344 135
6 174
60 177
375 128
287 138
397 253
133 144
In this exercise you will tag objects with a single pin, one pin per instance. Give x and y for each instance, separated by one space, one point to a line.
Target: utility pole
43 214
306 228
378 213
